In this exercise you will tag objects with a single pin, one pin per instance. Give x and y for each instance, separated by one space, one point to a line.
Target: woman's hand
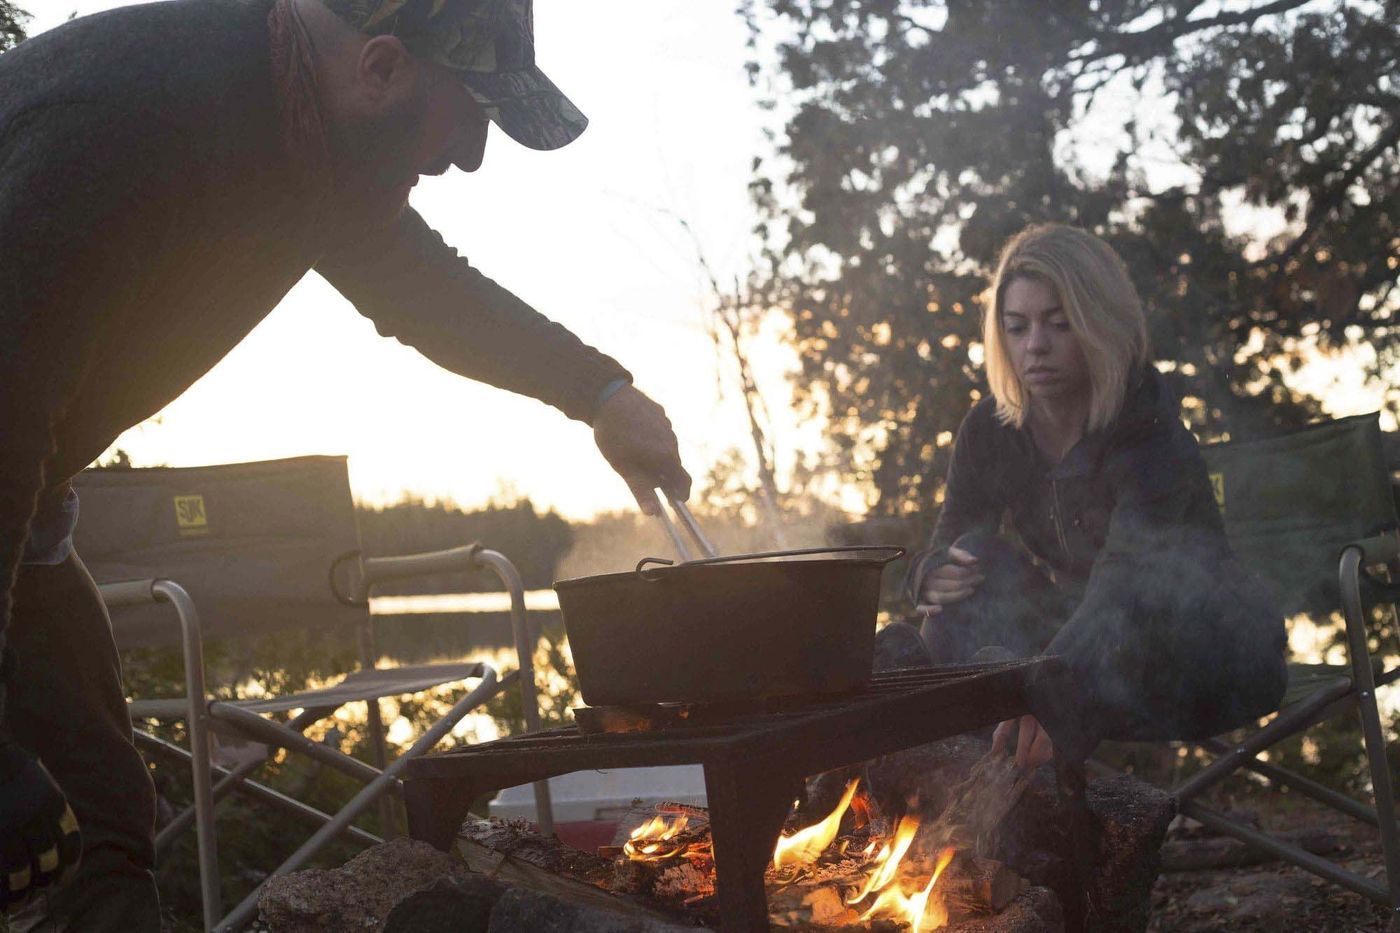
1033 745
955 580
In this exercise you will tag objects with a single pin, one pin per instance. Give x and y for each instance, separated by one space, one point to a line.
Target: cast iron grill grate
756 755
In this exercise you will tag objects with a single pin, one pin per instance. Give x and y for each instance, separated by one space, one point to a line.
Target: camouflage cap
491 44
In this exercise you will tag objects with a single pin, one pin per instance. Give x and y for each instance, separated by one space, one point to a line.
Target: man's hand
956 580
636 439
39 838
1033 745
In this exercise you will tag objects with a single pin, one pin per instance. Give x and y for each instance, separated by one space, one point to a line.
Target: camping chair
268 548
1312 512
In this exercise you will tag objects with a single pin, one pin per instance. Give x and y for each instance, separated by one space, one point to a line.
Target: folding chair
1312 512
267 548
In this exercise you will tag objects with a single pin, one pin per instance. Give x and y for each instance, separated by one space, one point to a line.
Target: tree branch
1323 207
1136 44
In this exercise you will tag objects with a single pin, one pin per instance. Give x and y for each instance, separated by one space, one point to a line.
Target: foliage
535 543
12 20
918 136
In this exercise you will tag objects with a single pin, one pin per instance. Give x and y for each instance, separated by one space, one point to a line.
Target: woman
1081 448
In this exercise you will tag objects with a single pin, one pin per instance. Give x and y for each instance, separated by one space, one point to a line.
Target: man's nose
469 148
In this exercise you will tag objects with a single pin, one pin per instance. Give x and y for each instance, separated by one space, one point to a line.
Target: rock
898 646
522 911
1036 911
1131 819
1260 900
451 905
358 895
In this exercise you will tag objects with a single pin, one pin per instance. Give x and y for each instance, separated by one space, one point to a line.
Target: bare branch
1137 45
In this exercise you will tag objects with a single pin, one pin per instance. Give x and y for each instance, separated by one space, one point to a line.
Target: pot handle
642 566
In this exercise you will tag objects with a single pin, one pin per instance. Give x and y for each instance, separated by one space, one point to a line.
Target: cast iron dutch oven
726 628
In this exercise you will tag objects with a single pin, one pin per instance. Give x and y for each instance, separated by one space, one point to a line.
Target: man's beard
372 161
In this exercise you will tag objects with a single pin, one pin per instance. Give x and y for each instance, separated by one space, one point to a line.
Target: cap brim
527 106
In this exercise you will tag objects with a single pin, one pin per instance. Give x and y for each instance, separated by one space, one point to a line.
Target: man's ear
386 68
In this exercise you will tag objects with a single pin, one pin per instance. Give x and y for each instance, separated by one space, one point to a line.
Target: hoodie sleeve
417 289
970 502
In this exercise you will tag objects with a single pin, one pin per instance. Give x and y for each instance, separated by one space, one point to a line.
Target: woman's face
1044 351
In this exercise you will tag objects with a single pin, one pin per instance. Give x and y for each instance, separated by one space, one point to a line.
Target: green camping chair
267 549
1313 512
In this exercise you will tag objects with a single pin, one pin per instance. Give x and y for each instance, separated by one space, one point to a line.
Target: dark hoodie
149 219
1171 638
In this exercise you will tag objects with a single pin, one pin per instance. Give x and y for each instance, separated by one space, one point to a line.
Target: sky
581 233
588 235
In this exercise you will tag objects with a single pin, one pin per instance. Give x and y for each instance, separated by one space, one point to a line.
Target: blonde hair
1099 301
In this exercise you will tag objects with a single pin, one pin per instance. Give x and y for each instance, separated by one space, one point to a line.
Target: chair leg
379 743
1359 655
382 784
200 749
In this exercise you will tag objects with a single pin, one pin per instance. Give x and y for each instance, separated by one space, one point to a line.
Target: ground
1275 896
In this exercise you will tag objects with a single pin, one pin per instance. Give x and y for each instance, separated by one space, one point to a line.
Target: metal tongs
691 525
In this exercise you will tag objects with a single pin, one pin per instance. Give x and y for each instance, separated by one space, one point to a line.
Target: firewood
1225 852
980 885
510 852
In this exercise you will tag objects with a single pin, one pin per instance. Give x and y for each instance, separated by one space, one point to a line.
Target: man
167 173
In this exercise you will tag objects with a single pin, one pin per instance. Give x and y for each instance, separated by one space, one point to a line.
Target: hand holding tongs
691 525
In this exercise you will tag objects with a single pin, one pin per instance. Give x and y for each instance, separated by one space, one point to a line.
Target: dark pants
1182 644
66 705
1017 607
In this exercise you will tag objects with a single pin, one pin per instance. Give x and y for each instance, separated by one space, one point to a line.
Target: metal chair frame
1354 690
201 712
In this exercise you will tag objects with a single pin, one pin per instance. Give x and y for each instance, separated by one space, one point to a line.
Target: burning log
874 878
511 851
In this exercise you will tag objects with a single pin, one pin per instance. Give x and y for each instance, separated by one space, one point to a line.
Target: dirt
1274 895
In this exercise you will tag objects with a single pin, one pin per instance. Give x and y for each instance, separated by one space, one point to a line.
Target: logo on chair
190 515
1217 486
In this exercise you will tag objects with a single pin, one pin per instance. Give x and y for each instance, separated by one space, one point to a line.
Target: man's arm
417 289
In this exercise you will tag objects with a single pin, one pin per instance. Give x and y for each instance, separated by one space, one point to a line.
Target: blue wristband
609 390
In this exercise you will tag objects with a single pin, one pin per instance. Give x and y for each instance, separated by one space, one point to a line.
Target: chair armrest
127 593
1377 549
380 569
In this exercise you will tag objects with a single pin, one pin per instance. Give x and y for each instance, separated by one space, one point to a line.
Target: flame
803 846
646 842
888 858
915 909
860 806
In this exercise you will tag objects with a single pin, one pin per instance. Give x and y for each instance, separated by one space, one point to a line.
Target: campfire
913 845
852 867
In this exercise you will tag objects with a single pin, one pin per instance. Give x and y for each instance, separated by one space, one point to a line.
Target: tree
11 25
1245 160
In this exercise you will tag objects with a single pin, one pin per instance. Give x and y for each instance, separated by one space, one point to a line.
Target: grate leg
1069 774
437 806
746 818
